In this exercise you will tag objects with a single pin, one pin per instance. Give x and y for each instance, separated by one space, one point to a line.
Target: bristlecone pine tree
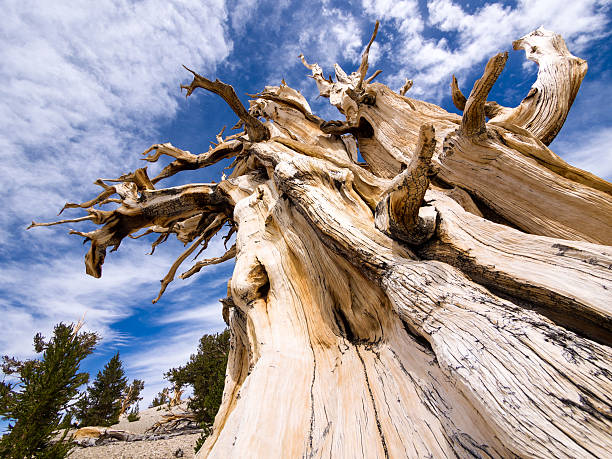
451 296
205 373
103 403
43 388
131 396
161 398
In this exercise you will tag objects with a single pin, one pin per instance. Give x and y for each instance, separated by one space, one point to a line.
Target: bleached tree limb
400 213
473 120
406 87
544 110
363 67
255 129
490 108
561 277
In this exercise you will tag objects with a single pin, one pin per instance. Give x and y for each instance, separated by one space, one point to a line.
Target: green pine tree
133 414
162 398
205 372
39 390
104 396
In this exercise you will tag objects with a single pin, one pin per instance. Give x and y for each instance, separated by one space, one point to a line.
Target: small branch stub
473 121
400 213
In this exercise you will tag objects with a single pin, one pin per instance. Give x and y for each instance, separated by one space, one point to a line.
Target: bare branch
61 222
256 131
125 190
491 108
473 121
203 239
231 253
139 177
459 99
188 161
170 276
166 149
374 75
407 85
400 213
288 97
324 86
363 68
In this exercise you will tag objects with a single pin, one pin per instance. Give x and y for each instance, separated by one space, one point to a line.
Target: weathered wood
543 111
255 129
400 213
567 280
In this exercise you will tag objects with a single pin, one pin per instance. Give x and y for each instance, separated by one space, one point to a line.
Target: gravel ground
158 449
148 417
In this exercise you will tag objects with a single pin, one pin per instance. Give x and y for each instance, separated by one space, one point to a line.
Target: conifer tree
132 395
205 372
40 390
161 399
104 395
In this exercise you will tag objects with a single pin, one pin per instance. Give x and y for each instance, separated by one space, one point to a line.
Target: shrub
133 415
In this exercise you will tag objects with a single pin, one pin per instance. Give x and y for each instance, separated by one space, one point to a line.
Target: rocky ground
156 449
158 444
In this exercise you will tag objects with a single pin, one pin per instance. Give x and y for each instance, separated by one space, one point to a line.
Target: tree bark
450 297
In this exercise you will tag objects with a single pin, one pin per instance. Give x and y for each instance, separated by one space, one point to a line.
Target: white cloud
241 13
84 84
465 39
207 314
589 150
39 295
54 288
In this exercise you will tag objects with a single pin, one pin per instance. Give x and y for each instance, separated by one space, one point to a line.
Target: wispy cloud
200 315
38 295
450 39
589 150
84 85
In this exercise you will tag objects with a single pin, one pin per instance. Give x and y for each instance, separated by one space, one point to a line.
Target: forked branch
544 110
491 108
256 131
363 68
188 161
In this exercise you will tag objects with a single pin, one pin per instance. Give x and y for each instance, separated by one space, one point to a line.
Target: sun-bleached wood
449 297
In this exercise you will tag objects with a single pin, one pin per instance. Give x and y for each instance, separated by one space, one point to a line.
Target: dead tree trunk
452 296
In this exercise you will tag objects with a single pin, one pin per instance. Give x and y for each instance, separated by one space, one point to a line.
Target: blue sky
87 86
